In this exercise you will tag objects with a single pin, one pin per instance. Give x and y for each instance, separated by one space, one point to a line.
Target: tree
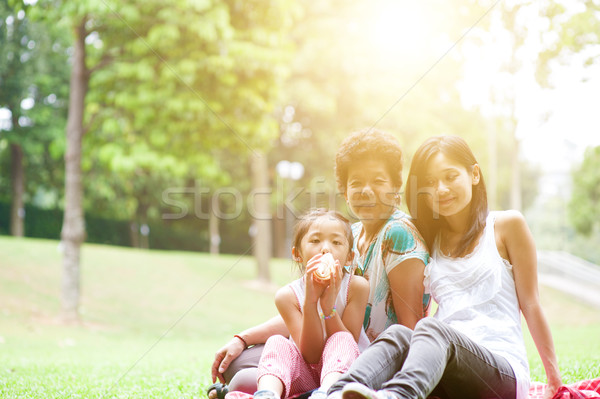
188 84
160 89
79 17
574 37
73 229
32 77
584 206
14 76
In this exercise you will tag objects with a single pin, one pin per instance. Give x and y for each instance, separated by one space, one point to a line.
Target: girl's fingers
311 268
337 269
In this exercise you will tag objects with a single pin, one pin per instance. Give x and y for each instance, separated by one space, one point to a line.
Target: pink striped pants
282 359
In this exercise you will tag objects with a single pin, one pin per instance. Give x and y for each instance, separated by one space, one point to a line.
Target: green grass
152 321
576 333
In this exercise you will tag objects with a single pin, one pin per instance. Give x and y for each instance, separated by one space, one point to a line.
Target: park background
154 155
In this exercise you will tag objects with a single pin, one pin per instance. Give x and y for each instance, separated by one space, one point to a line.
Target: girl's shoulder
511 231
359 284
358 281
513 237
508 221
286 296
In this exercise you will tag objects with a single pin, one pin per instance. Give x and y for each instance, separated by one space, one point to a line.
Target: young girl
482 275
324 316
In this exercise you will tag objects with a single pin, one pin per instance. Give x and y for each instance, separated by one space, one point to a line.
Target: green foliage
34 68
584 207
576 30
177 90
180 83
182 91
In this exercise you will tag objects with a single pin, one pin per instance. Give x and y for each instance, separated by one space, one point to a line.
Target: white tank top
298 288
476 295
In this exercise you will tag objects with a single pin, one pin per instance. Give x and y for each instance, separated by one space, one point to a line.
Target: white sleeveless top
476 295
298 287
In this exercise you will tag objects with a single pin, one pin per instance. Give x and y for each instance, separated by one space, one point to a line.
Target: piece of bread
325 269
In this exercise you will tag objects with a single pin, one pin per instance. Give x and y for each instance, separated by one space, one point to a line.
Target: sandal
221 389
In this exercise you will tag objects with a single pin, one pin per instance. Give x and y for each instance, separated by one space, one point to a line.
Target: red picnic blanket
586 389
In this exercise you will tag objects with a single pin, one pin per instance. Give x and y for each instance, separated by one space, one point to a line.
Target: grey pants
242 373
433 360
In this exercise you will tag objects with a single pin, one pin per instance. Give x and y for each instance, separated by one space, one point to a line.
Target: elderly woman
388 251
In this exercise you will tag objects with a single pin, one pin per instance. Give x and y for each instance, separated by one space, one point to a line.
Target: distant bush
187 234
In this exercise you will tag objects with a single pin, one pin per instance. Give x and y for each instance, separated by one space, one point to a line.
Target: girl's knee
429 324
397 333
432 330
276 345
278 340
341 339
341 336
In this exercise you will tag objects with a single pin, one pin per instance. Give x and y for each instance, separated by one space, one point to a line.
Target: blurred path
570 274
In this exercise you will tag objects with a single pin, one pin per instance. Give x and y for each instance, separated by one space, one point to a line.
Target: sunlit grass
575 330
152 320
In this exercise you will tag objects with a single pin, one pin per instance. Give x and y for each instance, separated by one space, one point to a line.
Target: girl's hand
224 357
551 391
313 290
554 384
332 290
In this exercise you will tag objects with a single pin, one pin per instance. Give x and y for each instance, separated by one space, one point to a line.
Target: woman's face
450 185
370 192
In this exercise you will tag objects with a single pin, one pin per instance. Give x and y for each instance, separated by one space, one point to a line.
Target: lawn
152 321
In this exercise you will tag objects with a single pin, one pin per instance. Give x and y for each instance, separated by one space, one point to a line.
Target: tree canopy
182 92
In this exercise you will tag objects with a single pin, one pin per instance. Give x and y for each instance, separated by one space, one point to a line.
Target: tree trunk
515 185
492 183
261 215
213 226
17 175
73 228
134 234
144 229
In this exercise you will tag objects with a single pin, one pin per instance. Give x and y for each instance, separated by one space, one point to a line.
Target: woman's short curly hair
368 144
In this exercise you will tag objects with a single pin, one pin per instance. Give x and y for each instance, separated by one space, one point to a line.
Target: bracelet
333 312
243 340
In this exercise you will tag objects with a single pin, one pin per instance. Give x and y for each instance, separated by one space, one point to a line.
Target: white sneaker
318 394
335 395
355 390
265 394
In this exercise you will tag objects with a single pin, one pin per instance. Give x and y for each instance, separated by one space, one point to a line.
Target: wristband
333 312
242 339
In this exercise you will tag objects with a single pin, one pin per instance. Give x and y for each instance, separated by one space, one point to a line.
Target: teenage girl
483 275
324 317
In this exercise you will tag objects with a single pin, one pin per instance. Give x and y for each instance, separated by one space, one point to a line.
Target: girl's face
369 191
326 234
450 185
